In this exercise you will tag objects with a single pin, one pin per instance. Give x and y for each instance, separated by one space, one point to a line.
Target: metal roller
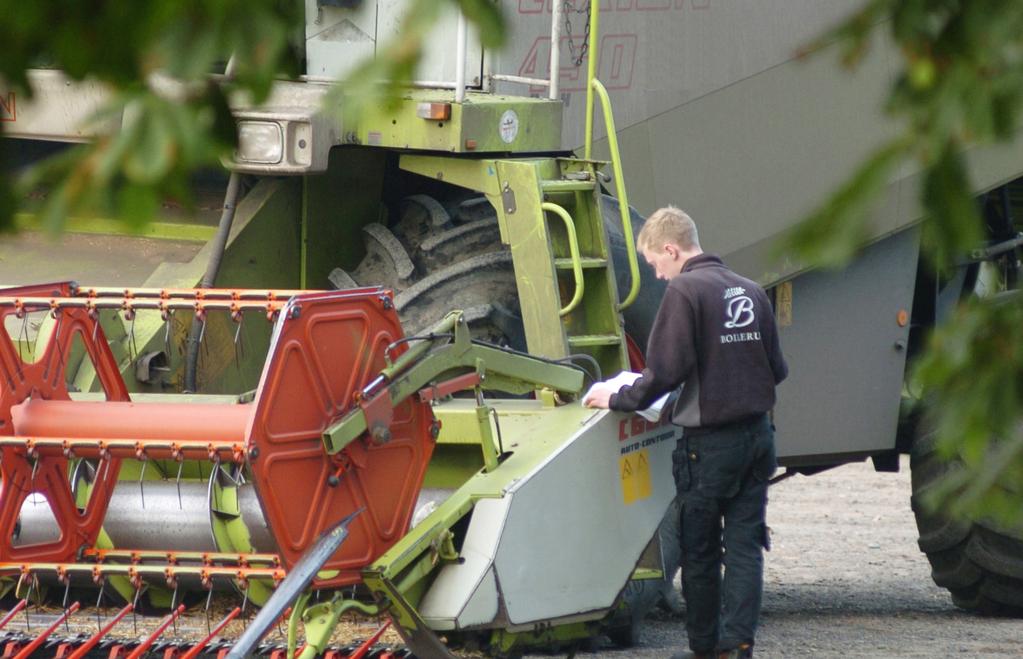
165 523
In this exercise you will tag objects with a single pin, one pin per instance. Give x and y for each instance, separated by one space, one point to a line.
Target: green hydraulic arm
446 353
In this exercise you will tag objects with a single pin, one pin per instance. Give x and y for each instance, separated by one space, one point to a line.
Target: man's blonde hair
668 225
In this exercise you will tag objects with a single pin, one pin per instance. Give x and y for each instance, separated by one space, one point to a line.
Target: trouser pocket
765 462
719 462
680 468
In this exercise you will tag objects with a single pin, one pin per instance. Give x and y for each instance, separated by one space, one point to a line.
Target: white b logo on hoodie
740 312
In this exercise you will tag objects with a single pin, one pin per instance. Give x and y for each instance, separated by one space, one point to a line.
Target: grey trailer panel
747 160
846 353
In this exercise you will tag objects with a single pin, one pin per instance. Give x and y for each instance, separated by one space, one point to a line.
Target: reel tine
28 597
23 336
32 480
133 349
63 604
202 333
99 601
238 349
181 465
134 607
167 320
58 317
174 605
209 600
101 470
142 476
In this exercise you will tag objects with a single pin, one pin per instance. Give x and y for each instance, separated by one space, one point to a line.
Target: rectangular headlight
260 142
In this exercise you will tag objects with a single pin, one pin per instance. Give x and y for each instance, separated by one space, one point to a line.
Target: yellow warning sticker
634 469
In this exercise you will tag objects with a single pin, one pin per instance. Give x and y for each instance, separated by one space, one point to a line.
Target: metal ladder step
567 185
585 261
584 340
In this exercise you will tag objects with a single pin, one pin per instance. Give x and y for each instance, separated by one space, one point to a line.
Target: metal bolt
435 429
253 453
333 480
296 311
381 434
386 301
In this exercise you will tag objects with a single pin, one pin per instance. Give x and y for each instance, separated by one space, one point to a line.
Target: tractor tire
438 256
441 256
980 564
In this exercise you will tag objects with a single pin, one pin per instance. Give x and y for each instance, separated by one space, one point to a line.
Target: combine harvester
450 483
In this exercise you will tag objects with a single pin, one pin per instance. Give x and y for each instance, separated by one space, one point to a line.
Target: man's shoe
744 651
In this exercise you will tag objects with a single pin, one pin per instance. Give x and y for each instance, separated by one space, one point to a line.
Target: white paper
652 413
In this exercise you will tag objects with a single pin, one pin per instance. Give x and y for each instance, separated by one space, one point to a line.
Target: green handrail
591 75
623 198
594 86
573 246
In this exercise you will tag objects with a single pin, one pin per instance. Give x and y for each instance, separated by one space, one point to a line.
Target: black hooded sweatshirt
715 336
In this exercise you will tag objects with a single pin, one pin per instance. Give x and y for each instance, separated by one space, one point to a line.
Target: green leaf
487 16
137 204
972 373
953 224
54 212
8 205
222 131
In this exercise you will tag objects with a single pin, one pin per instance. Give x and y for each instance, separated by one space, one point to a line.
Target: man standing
715 337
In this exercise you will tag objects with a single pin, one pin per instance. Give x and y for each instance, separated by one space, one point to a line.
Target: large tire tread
437 258
981 566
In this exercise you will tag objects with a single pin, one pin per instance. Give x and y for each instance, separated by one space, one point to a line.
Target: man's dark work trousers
722 475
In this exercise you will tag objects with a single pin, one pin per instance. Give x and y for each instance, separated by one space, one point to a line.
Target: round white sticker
509 127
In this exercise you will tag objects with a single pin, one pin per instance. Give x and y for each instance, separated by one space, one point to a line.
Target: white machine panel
338 39
467 592
61 110
613 486
612 483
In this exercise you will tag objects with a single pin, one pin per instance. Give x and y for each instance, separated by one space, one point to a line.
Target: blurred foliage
166 116
972 372
959 84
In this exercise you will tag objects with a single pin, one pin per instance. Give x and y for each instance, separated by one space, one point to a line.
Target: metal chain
570 8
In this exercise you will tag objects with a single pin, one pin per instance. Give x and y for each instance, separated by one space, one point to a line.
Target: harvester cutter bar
194 293
170 571
129 304
129 300
98 448
205 557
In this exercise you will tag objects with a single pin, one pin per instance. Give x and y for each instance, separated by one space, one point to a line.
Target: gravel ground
844 578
